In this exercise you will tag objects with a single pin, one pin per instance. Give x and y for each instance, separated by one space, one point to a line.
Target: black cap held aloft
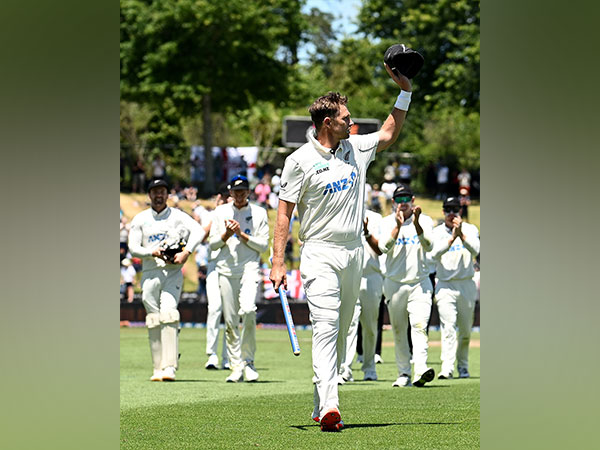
402 59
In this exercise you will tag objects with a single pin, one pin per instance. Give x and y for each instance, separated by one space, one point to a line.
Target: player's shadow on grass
374 425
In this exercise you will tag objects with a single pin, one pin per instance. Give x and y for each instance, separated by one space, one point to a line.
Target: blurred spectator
123 236
138 176
388 187
202 252
389 172
368 189
276 181
159 167
443 175
464 180
127 279
465 201
262 191
404 173
273 200
375 200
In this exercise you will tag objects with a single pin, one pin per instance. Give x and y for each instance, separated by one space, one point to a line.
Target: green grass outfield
201 410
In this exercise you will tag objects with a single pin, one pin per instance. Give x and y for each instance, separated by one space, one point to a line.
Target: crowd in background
441 183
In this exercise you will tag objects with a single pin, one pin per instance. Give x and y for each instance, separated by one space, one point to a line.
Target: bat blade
289 321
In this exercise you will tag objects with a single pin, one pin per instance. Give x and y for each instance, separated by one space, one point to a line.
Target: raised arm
393 124
278 271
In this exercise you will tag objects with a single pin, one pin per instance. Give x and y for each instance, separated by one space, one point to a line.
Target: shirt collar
161 215
311 135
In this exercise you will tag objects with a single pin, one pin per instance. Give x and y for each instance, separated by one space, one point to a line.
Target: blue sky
344 10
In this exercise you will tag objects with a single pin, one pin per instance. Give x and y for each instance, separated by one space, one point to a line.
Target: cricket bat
288 320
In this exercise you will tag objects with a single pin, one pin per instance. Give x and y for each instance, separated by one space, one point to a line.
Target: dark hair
326 106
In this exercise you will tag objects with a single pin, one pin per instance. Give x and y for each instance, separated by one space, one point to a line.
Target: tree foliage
446 32
233 68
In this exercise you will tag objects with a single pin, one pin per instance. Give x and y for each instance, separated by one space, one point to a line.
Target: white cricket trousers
161 290
331 278
409 301
213 316
238 295
367 311
455 301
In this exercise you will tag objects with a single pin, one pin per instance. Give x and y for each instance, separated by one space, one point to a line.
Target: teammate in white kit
162 279
456 244
241 230
406 235
367 307
213 295
326 178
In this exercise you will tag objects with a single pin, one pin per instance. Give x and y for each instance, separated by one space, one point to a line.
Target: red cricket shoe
332 421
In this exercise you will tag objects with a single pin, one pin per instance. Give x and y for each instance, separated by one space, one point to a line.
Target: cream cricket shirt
237 256
405 260
149 228
371 262
329 190
455 262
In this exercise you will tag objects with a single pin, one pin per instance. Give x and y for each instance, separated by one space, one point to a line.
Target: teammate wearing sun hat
162 278
406 236
240 230
456 244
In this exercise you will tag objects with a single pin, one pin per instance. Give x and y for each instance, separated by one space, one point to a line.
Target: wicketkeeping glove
404 60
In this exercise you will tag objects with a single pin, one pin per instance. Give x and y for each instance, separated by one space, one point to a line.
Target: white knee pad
153 320
169 316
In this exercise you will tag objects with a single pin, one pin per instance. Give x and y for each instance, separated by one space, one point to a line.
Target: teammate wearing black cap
406 235
241 231
456 244
162 279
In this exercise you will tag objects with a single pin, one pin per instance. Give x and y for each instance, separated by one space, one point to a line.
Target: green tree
446 32
200 56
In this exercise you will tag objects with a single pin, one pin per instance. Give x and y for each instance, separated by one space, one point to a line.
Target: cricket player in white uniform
215 305
406 235
241 230
162 279
326 178
456 244
367 306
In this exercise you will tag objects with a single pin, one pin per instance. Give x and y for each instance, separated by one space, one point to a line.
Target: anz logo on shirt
408 241
340 185
157 237
456 248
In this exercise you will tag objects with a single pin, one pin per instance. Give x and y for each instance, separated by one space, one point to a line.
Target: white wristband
403 100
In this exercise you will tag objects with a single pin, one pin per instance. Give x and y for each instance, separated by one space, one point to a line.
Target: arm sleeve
426 238
216 231
292 177
260 240
440 245
386 242
197 233
471 240
135 241
366 144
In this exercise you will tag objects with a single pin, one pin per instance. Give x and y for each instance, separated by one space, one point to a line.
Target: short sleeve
366 144
292 177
